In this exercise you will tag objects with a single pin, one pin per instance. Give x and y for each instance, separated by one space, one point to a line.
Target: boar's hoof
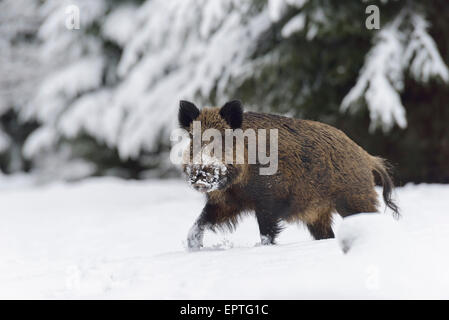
266 240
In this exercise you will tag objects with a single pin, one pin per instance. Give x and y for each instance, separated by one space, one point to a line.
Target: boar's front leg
207 219
269 226
195 236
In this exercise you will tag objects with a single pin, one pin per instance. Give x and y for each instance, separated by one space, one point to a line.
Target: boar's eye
232 112
187 113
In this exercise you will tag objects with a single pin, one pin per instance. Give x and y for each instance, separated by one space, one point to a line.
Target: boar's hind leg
269 226
357 203
320 231
321 228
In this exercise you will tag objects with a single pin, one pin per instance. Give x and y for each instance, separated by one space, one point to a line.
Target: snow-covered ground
109 238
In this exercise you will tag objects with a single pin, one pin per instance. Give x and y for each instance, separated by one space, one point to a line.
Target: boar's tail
382 168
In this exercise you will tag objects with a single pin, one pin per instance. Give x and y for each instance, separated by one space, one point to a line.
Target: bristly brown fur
320 171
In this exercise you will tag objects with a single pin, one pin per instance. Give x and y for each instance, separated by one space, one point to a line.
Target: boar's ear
232 112
187 113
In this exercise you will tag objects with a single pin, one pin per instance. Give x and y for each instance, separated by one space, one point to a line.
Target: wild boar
320 171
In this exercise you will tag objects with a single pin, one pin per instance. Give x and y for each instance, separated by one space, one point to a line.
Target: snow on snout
209 173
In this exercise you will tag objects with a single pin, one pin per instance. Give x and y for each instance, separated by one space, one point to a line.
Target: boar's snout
201 187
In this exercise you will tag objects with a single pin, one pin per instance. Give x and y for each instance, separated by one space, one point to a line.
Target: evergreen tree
386 89
103 98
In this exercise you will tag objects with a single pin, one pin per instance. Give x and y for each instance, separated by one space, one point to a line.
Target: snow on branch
422 54
395 51
205 44
277 8
295 24
380 80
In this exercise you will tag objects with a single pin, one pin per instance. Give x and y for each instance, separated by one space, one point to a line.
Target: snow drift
108 238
